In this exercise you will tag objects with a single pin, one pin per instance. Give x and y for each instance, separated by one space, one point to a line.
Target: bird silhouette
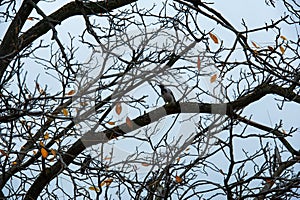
167 94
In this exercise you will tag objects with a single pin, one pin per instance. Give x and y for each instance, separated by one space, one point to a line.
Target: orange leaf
214 38
178 179
14 163
282 50
30 18
71 92
34 152
118 108
129 122
65 112
198 63
44 152
94 188
178 159
255 45
283 37
111 123
213 78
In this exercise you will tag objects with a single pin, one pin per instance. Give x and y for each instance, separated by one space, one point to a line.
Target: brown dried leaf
46 136
94 188
213 78
214 38
283 37
111 123
118 108
53 151
255 45
129 122
71 92
178 179
198 63
282 50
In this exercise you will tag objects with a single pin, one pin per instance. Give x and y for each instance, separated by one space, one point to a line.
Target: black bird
167 94
85 163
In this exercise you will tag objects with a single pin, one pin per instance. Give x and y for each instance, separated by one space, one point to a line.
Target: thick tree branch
9 51
92 138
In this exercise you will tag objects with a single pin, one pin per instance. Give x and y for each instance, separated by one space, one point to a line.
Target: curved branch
8 52
91 138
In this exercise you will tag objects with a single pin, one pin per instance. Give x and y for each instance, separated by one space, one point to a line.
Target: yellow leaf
94 188
44 152
53 151
178 179
255 45
118 108
14 163
129 122
214 38
282 50
71 92
198 63
65 112
46 136
283 37
111 123
41 144
213 78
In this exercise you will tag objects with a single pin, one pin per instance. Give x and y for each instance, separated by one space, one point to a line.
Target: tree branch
9 51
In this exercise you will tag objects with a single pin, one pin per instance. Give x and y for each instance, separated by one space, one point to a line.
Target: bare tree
82 115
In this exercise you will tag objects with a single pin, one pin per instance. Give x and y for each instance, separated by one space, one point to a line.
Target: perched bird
167 94
85 163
